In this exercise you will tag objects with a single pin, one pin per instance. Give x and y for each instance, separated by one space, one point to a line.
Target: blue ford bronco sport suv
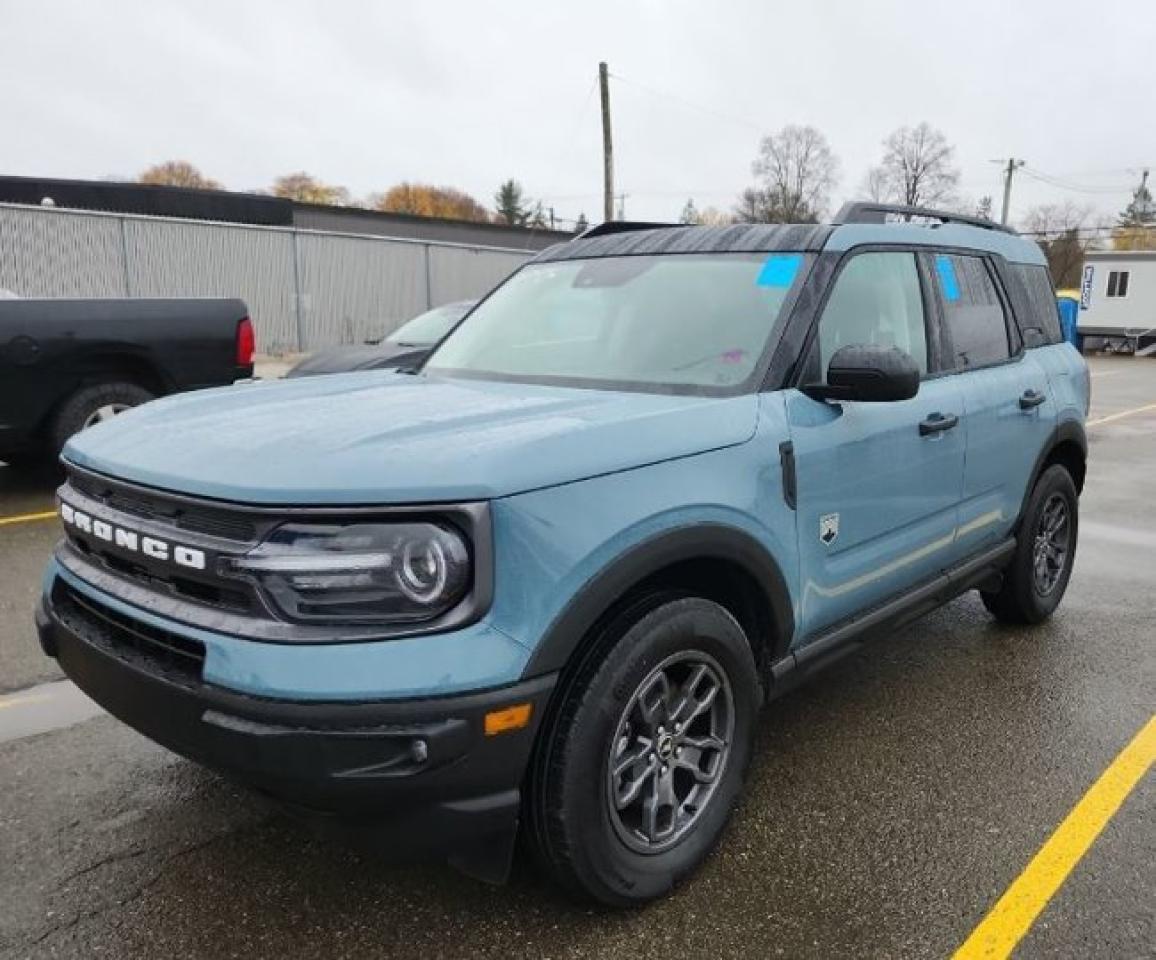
545 582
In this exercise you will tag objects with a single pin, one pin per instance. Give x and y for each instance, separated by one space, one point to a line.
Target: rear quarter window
1035 304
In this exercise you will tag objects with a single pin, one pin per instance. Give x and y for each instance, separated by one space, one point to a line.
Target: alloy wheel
1052 544
669 751
104 412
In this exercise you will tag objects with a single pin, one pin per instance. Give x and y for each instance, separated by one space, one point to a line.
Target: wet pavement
891 801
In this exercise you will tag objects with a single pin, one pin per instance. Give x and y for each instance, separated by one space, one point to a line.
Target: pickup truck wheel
92 405
1035 580
647 753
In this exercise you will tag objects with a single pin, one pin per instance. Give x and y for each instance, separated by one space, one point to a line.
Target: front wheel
1035 580
647 752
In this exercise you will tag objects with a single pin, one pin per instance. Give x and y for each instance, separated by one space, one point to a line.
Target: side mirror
868 373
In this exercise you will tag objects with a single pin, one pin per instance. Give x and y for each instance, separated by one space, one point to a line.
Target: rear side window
973 314
1039 312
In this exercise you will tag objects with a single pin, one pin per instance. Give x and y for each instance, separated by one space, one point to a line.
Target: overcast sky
365 94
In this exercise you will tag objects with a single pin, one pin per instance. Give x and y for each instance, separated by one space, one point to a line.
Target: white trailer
1118 302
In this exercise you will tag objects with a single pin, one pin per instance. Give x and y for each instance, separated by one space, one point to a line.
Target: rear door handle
1030 399
937 423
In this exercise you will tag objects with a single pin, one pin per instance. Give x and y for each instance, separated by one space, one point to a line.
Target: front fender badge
828 527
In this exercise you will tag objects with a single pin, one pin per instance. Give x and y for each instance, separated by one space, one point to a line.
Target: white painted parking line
49 706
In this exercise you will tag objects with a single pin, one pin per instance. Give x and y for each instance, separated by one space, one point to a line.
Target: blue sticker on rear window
779 270
947 282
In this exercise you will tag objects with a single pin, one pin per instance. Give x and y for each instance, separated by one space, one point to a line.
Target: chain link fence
305 289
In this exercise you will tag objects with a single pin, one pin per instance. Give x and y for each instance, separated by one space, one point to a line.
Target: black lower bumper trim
421 774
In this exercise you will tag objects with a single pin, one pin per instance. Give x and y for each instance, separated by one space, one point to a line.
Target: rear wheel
644 761
1035 580
92 405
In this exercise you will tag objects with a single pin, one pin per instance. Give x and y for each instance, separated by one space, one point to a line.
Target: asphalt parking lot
892 801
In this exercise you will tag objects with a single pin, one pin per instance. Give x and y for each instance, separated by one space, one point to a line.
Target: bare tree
918 168
751 206
714 217
876 185
797 171
1065 232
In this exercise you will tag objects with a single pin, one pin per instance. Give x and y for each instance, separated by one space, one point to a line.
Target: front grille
172 511
160 652
163 580
174 519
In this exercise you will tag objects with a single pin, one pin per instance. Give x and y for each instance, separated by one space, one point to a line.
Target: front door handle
1031 398
937 423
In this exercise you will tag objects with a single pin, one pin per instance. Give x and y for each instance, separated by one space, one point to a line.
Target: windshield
695 321
431 326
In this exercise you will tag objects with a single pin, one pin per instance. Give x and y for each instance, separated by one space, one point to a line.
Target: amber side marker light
508 718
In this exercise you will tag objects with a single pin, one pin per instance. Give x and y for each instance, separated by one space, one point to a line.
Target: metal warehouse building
1118 301
224 206
312 276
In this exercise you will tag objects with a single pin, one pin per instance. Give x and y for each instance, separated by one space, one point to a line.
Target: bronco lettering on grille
131 540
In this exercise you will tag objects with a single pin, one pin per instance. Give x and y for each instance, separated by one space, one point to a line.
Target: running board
849 636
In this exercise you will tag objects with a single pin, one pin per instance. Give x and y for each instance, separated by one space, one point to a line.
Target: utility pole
1012 166
607 145
622 205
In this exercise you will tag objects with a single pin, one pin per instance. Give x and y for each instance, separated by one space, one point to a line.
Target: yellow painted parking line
28 517
1016 911
1122 413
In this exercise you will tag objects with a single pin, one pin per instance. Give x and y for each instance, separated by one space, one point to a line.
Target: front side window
876 300
972 311
1118 283
693 322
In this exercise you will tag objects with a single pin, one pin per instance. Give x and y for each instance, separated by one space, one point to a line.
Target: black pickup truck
67 364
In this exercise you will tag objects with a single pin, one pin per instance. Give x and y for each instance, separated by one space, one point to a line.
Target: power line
1067 185
690 103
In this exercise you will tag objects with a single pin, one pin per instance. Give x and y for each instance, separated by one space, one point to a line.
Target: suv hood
381 437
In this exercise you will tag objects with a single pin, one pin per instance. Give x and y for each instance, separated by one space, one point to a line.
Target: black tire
24 459
1024 597
73 415
574 832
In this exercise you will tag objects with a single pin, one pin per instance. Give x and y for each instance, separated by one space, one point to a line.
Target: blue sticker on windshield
779 270
947 282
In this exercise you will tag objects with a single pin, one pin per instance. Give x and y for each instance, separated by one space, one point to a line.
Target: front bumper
421 774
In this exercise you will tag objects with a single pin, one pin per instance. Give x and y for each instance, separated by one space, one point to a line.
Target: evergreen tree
1140 212
1136 227
510 203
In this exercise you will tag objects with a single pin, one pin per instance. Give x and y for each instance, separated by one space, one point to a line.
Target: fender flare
1069 431
703 541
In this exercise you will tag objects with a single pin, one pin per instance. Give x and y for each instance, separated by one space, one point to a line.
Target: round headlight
423 571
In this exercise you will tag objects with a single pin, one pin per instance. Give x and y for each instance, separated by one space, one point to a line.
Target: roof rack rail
861 211
622 226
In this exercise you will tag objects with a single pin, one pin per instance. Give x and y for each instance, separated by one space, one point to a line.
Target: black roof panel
738 238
